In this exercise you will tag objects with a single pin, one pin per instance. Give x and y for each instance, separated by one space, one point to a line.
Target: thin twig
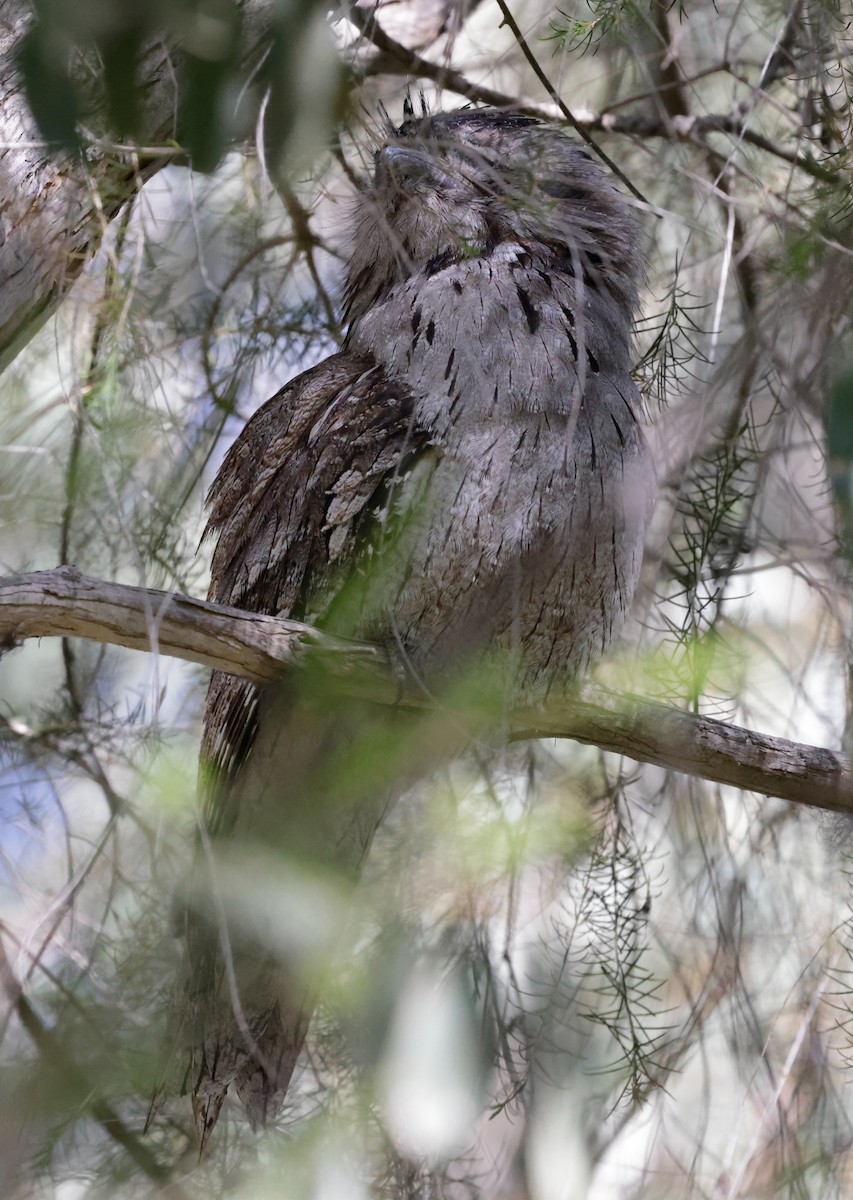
57 1062
509 20
633 125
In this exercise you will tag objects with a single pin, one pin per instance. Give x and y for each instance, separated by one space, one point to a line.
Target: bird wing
292 505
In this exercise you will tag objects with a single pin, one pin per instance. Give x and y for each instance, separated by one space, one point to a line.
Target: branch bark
65 603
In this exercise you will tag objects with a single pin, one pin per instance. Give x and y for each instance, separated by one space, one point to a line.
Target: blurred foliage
87 58
839 436
560 974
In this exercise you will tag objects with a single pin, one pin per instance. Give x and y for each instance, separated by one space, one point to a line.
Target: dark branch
638 125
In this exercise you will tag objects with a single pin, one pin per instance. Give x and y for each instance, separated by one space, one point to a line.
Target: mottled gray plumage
469 473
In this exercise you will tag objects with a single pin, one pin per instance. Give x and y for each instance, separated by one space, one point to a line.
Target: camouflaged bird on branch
467 480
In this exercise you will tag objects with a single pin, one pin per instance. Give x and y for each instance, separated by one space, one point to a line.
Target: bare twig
65 603
636 125
413 63
306 242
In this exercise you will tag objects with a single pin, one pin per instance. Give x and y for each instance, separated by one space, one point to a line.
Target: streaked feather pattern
466 479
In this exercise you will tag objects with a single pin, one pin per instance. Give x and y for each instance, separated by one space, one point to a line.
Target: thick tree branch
395 54
64 603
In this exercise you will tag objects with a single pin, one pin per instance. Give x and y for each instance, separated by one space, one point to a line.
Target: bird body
465 481
506 546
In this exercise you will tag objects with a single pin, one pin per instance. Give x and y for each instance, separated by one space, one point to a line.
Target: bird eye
562 191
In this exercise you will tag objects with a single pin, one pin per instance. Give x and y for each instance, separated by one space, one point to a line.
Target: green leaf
43 60
120 54
839 424
211 64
